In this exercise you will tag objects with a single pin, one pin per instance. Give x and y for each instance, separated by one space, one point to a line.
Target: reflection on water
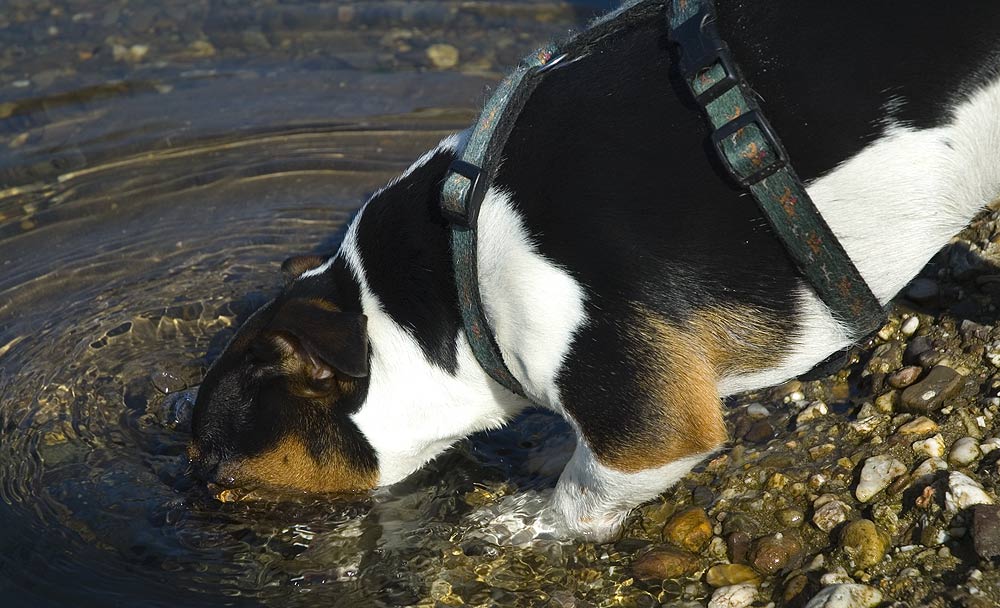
157 162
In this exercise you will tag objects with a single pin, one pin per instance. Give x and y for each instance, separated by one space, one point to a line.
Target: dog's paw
529 517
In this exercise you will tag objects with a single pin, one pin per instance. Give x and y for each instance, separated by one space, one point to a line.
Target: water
157 163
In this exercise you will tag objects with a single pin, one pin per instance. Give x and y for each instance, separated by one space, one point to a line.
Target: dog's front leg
640 432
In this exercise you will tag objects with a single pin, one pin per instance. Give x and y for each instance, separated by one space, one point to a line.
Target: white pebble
733 596
813 410
964 451
929 467
878 472
989 445
796 396
846 596
932 446
758 411
837 576
964 492
909 326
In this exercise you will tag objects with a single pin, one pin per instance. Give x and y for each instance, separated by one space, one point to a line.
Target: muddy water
157 163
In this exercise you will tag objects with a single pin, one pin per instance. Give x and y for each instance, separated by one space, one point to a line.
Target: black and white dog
628 282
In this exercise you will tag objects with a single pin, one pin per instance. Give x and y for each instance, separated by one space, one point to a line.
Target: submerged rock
877 474
689 529
829 513
771 554
666 563
724 575
846 596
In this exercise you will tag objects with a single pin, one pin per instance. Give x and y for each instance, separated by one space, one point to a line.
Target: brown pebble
771 554
689 529
864 543
723 575
797 590
738 547
665 563
931 393
905 377
759 432
986 530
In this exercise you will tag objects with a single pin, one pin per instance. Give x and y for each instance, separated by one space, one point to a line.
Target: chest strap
743 139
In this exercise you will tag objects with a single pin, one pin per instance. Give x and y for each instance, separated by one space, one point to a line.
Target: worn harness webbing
743 138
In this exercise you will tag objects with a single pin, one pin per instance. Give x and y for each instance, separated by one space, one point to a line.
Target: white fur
534 305
593 500
893 206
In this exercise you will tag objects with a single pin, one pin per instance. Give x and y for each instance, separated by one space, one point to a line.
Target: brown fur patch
290 466
681 365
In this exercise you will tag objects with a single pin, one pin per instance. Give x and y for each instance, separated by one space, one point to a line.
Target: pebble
846 596
756 410
989 445
738 546
725 575
863 542
443 56
905 377
986 530
791 517
922 290
964 492
877 473
689 529
770 554
665 563
929 467
964 451
830 514
930 394
733 596
759 432
167 382
932 446
909 326
813 411
919 426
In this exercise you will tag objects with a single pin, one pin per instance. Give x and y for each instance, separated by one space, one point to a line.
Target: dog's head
274 409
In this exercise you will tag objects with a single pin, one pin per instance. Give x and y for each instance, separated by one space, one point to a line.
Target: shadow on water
158 161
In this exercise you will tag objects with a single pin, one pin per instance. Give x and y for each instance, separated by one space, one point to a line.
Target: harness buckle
465 212
753 117
701 47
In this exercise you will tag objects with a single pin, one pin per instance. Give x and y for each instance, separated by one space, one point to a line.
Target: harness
744 141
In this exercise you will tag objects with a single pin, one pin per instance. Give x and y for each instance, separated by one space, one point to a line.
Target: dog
628 282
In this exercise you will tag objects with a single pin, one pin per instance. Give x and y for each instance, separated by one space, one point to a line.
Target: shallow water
157 163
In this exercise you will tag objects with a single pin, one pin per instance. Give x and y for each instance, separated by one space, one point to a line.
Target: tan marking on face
681 365
290 466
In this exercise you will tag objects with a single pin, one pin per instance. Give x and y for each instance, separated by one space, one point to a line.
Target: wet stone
738 546
167 382
689 529
665 563
723 575
830 514
986 530
813 411
931 393
915 348
771 554
932 446
864 543
905 377
877 473
909 326
443 56
846 596
759 432
791 517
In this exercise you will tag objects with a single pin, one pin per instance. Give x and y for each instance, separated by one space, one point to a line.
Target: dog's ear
294 266
322 339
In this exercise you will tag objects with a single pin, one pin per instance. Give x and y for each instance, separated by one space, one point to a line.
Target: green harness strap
754 157
743 138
